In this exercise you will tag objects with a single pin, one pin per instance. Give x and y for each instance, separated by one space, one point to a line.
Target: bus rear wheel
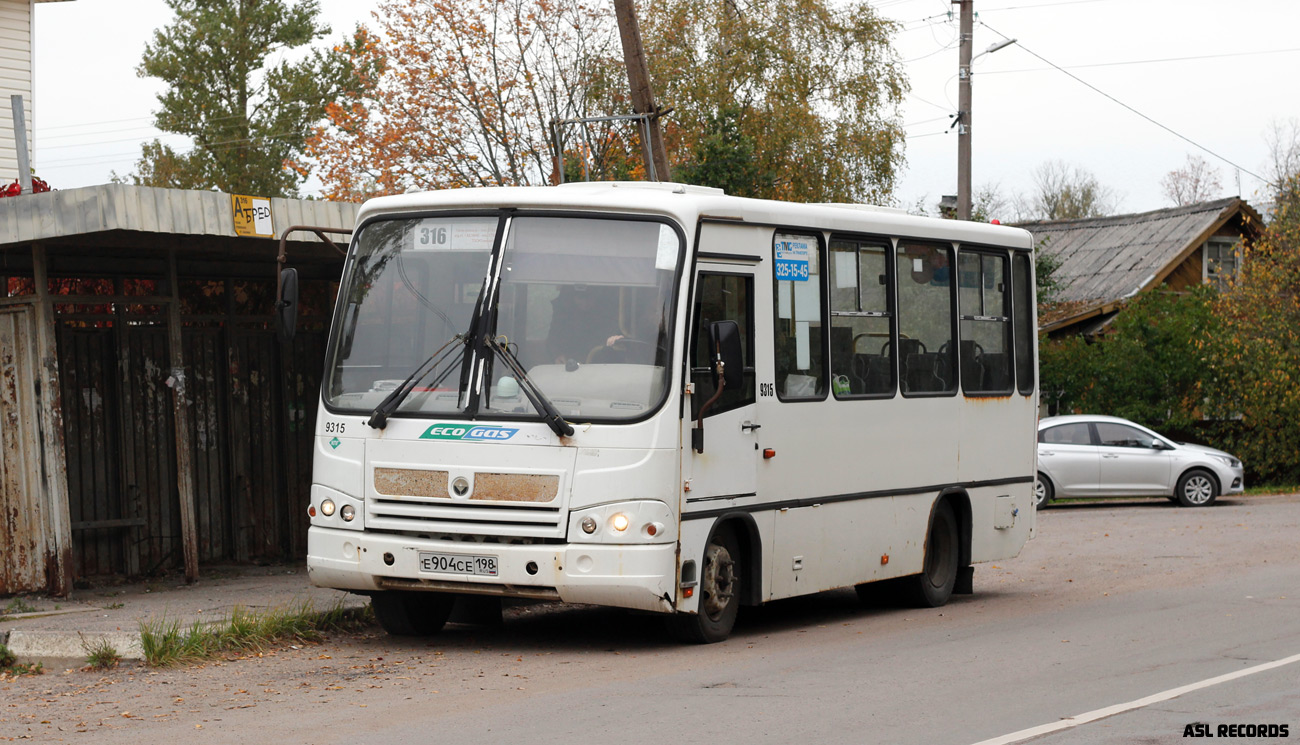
720 585
933 586
403 613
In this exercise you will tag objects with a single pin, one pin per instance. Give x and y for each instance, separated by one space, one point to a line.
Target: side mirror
286 306
725 347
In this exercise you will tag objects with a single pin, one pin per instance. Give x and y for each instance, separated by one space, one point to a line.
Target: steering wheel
620 348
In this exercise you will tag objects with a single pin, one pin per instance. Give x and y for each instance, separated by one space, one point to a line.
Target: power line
109 142
93 124
931 54
1143 61
1168 129
1041 5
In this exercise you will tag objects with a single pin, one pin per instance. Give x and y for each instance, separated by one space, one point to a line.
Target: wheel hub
1198 489
718 583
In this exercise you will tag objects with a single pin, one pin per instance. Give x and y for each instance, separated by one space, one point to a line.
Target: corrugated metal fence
253 411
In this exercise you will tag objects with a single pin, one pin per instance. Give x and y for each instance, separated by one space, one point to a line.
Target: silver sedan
1105 456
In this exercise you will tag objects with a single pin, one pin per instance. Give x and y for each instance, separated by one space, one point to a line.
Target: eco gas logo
462 432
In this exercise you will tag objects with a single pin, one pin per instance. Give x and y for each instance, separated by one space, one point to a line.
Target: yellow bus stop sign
252 216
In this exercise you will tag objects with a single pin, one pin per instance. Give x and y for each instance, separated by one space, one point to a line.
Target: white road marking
1155 698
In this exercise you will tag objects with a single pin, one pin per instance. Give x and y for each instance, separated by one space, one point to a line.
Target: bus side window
925 319
800 346
1023 314
985 323
862 357
721 297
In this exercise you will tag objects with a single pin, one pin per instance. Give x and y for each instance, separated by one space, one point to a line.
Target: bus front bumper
641 577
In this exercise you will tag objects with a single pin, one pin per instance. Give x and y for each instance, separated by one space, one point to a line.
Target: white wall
15 77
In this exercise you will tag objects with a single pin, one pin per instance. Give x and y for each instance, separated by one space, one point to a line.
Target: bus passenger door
725 473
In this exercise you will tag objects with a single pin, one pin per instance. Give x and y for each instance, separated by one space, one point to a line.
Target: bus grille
419 516
507 505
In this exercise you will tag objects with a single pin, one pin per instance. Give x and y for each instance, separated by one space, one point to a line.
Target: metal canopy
96 228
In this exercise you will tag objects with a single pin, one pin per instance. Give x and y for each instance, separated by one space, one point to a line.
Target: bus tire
721 580
403 613
933 586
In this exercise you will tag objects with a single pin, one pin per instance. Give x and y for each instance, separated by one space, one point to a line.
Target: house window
1221 261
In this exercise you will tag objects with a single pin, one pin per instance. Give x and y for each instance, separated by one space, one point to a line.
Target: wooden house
1105 261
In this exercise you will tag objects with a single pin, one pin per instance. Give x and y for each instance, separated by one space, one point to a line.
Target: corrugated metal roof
108 207
1106 259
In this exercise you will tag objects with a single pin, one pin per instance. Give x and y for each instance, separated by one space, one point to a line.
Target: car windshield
583 303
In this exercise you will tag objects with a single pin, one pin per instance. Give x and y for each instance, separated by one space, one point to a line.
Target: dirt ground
1081 551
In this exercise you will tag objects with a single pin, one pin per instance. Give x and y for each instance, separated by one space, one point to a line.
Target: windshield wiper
379 417
550 414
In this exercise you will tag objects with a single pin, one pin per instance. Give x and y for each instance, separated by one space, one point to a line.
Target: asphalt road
1111 627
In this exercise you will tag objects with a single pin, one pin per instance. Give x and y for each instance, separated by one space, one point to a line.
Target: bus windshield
582 302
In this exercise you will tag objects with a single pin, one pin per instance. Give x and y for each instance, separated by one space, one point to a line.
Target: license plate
458 564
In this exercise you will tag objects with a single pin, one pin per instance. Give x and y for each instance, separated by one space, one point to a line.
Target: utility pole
638 78
963 107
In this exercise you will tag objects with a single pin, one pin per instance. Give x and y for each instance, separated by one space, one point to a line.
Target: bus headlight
642 521
334 509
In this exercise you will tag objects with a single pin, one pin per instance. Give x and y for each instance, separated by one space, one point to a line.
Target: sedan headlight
1229 460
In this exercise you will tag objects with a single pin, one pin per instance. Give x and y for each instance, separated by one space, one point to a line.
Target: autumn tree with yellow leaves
1254 384
788 99
812 86
457 93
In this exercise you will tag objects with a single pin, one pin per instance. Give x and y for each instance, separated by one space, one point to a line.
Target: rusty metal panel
488 487
261 525
148 458
301 380
26 543
516 487
205 358
411 482
90 413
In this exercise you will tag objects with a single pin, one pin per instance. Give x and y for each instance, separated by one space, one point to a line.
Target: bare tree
1283 139
1195 182
1066 192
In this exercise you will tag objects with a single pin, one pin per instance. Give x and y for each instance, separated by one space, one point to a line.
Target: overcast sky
1216 73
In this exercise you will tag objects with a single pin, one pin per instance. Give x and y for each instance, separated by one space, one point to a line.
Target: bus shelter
150 417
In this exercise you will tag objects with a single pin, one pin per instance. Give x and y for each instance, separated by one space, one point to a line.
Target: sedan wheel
1043 491
1196 488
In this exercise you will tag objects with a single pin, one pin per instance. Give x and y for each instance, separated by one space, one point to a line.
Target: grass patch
16 606
167 643
9 664
100 655
1265 489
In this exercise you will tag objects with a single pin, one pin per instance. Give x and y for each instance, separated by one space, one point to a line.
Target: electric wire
1145 61
1168 129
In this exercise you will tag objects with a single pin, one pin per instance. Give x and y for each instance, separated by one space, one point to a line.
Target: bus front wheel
720 584
403 613
933 586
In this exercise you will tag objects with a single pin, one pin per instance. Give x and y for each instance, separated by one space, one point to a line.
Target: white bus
659 397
